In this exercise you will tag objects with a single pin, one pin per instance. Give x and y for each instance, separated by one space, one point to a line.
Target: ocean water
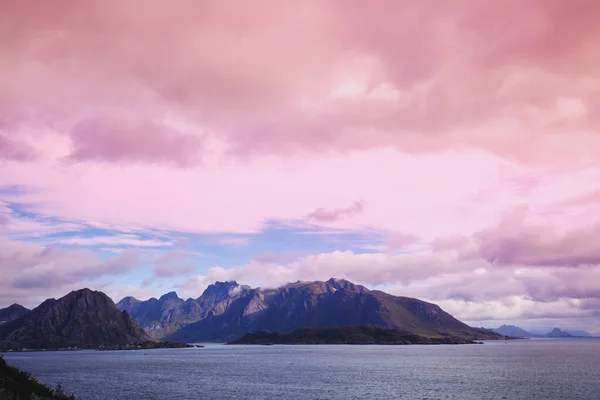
520 369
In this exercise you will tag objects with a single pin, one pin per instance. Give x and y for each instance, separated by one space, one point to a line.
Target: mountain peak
169 296
225 283
82 318
337 283
16 306
128 301
556 332
512 330
12 312
85 292
227 288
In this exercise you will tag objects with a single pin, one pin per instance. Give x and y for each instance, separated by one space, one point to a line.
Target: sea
530 369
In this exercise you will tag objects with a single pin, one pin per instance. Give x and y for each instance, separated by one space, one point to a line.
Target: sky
448 151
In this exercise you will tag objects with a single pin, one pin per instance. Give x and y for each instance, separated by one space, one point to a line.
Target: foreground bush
15 383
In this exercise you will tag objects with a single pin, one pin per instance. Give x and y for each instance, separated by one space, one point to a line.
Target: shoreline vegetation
355 335
146 345
18 384
149 345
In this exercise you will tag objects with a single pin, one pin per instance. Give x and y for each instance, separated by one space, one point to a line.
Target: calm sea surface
520 369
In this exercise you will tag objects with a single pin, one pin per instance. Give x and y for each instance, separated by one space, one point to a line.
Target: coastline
106 347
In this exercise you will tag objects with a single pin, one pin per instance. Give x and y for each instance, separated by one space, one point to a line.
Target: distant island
515 331
363 334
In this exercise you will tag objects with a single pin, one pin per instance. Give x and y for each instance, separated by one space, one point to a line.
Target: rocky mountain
513 331
12 312
82 318
226 311
558 333
162 317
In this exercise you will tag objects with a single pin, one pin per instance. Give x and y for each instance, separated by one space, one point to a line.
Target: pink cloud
382 269
587 198
270 257
171 264
167 271
114 240
32 266
431 195
117 141
324 215
327 76
11 149
401 240
517 241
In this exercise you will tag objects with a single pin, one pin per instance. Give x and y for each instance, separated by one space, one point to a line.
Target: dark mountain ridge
227 310
82 318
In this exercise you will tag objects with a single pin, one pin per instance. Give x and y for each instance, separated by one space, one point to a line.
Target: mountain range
82 318
515 331
227 311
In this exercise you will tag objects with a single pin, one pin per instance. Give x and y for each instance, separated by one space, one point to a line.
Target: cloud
516 241
370 269
323 215
401 240
171 264
231 241
4 215
49 275
329 76
125 141
168 271
114 240
587 198
396 241
47 269
271 257
525 312
12 150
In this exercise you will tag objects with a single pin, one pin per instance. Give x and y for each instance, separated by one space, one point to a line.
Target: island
363 334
